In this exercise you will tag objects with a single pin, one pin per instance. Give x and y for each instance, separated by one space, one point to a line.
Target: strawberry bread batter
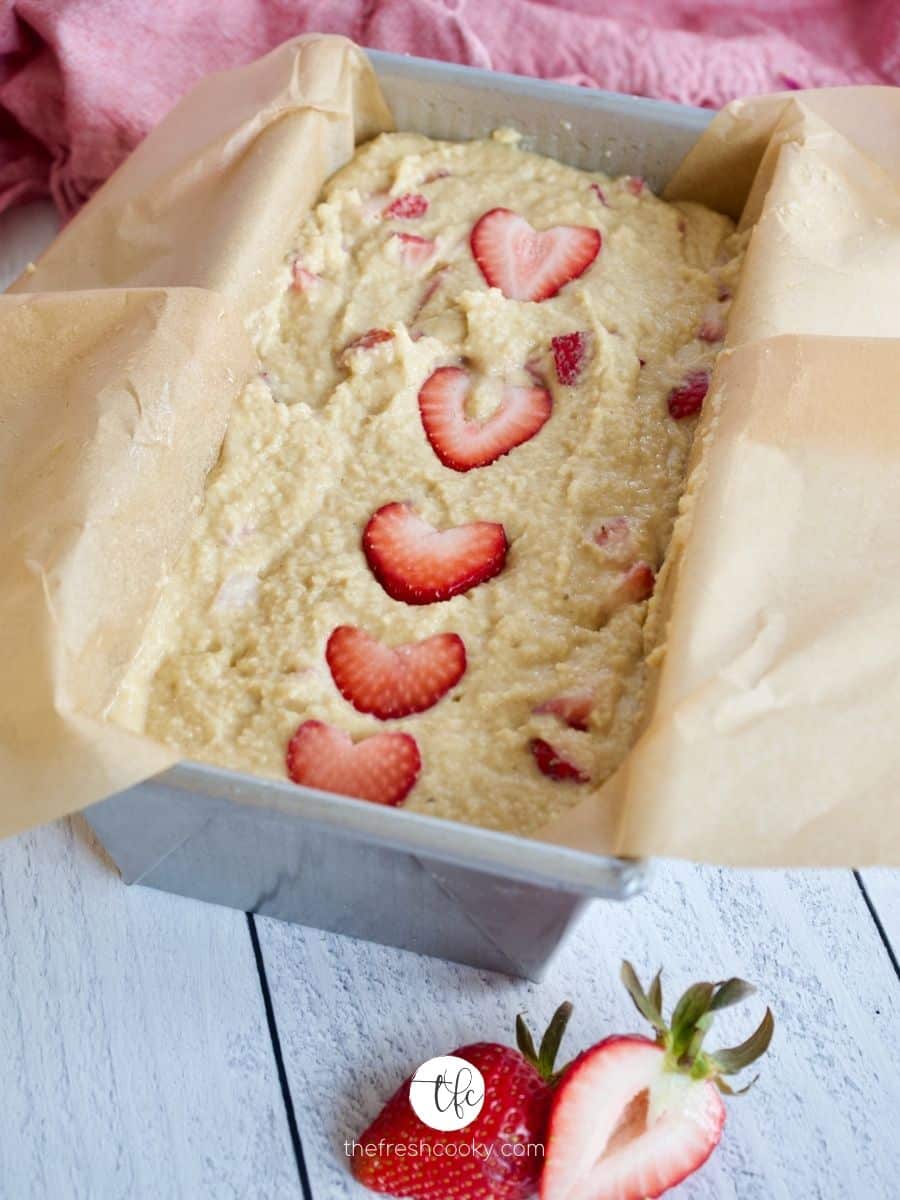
423 566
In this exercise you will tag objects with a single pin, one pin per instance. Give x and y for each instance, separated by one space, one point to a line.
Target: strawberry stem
682 1038
544 1059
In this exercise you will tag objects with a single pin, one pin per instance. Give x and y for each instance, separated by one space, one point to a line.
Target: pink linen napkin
82 81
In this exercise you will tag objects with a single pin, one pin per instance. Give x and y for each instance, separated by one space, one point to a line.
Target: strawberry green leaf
655 992
732 991
736 1058
690 1009
551 1040
642 1002
524 1041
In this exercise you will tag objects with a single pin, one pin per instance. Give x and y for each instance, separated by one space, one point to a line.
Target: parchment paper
770 736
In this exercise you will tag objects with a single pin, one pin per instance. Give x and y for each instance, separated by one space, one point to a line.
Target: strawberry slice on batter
391 682
527 264
382 768
686 400
418 564
462 443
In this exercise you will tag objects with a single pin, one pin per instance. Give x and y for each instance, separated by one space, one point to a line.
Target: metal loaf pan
488 899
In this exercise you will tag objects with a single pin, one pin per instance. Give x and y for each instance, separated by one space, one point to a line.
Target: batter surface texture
382 291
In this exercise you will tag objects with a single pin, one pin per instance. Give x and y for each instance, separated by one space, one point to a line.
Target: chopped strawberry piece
635 184
414 250
551 763
408 206
711 330
301 279
461 443
432 287
526 264
600 194
687 399
382 768
419 564
614 536
365 341
638 583
394 682
569 353
572 708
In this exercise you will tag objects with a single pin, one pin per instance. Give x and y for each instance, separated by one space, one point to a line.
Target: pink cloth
82 81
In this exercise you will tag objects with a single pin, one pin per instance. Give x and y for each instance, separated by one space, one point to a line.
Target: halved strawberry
414 250
569 353
419 564
687 399
394 682
382 768
572 708
462 443
550 762
526 264
365 341
632 1117
407 206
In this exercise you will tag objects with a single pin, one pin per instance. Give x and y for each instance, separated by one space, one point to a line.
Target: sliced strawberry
432 286
569 354
687 399
526 264
638 583
408 206
414 250
632 1117
365 341
381 768
635 184
462 443
600 194
390 683
302 279
572 708
550 762
419 564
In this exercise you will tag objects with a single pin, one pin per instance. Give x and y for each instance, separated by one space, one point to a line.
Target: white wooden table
156 1047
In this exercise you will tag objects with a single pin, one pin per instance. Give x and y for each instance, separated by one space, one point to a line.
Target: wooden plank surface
882 887
353 1019
136 1060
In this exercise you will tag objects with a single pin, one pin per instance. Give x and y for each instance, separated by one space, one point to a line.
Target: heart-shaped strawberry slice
394 682
463 443
419 564
381 768
526 264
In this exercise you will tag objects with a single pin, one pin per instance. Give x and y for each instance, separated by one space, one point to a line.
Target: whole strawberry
498 1156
